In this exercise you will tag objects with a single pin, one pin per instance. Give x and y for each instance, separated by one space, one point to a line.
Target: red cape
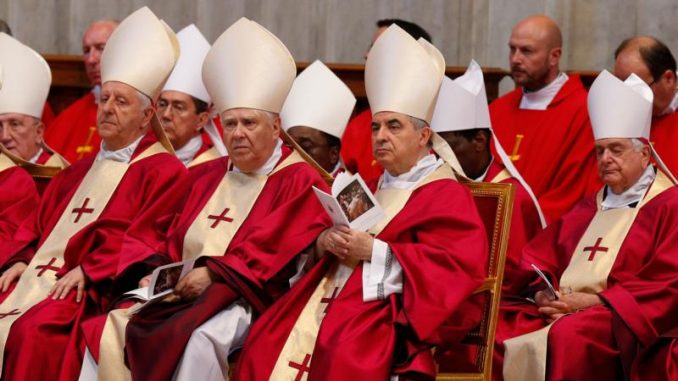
18 200
664 135
46 333
556 153
256 266
72 127
434 242
641 294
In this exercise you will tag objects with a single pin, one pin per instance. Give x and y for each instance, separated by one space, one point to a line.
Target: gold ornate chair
495 206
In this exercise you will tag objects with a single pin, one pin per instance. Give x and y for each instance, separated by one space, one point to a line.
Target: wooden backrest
495 206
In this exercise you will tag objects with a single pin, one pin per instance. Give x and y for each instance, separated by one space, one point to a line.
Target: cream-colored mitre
141 52
320 100
620 109
403 75
25 78
248 67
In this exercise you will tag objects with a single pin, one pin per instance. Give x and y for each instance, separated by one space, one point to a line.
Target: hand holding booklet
351 203
163 280
550 291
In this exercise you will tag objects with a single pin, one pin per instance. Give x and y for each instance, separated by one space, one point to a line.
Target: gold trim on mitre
248 67
26 79
403 75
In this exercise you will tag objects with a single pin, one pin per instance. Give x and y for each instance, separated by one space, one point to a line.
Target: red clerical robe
47 114
18 199
47 333
641 299
440 246
553 148
73 133
664 135
356 147
285 219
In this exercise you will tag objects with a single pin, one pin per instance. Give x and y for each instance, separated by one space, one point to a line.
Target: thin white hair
637 144
144 99
418 123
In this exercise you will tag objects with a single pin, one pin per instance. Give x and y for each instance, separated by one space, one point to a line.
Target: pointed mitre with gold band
25 79
403 75
622 109
186 76
141 53
462 105
248 67
320 100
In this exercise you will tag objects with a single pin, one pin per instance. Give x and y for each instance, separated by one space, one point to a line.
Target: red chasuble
641 296
552 149
47 114
659 362
664 136
285 219
18 200
441 247
356 147
73 133
47 333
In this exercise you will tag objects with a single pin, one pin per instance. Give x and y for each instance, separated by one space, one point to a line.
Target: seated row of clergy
100 225
466 91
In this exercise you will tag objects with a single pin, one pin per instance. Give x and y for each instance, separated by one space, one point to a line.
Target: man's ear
334 155
426 136
203 119
554 56
480 141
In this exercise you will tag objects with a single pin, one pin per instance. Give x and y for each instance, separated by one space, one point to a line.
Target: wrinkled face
397 144
531 59
93 43
121 115
21 134
315 143
250 136
377 33
179 118
620 165
629 61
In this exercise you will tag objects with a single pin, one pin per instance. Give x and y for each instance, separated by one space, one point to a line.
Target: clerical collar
672 106
540 99
96 91
409 179
34 159
632 196
481 178
187 153
270 164
123 155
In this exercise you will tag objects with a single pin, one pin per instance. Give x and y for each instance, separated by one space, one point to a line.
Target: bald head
652 61
535 50
93 43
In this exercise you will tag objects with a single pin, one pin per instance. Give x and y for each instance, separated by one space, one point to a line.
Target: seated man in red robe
652 61
184 104
315 114
357 140
543 123
63 269
377 301
18 194
245 221
74 133
613 257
